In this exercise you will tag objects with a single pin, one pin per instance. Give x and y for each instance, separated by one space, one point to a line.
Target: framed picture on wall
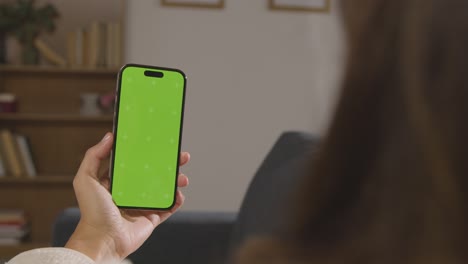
215 4
301 5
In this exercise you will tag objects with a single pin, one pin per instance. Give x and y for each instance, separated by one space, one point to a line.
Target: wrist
101 249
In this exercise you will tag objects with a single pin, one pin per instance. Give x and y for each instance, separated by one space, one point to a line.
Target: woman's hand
105 232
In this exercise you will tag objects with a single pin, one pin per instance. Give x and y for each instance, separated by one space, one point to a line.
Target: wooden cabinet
48 113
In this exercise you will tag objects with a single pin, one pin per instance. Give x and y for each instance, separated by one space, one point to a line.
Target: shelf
9 251
40 179
54 117
51 69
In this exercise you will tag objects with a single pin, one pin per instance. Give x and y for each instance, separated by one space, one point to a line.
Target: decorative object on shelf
49 54
106 102
89 104
28 22
322 6
6 25
215 4
7 103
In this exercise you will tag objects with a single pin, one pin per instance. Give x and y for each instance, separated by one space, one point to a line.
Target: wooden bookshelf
40 179
56 70
48 114
32 117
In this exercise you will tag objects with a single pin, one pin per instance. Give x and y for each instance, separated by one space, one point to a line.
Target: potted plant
27 22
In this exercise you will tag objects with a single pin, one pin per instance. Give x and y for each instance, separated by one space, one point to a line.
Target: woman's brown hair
389 183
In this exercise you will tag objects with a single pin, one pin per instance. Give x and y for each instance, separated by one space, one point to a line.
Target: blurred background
255 69
252 74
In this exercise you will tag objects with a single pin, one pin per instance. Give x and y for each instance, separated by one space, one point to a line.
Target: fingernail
106 137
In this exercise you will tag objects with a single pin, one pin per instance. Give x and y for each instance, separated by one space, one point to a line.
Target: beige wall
252 74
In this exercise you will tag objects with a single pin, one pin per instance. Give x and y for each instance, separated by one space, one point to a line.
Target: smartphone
148 122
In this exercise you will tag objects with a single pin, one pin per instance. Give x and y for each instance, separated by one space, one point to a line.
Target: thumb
93 157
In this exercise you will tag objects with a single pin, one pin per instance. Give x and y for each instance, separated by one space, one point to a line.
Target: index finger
94 156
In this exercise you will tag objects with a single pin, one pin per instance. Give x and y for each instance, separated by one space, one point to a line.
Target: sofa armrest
186 237
64 226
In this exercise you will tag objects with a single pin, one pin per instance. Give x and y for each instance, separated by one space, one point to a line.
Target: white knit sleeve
55 255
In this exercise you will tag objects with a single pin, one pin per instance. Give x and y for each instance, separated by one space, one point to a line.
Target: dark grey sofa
212 237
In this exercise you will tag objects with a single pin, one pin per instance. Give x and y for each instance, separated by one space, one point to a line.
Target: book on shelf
7 241
72 48
26 155
2 166
16 155
76 49
13 226
12 215
13 231
114 45
49 54
110 32
11 154
97 45
80 42
117 45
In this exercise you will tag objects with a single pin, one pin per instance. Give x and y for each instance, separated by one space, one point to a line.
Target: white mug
89 104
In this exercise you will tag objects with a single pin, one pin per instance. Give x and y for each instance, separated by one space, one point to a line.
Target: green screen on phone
148 127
